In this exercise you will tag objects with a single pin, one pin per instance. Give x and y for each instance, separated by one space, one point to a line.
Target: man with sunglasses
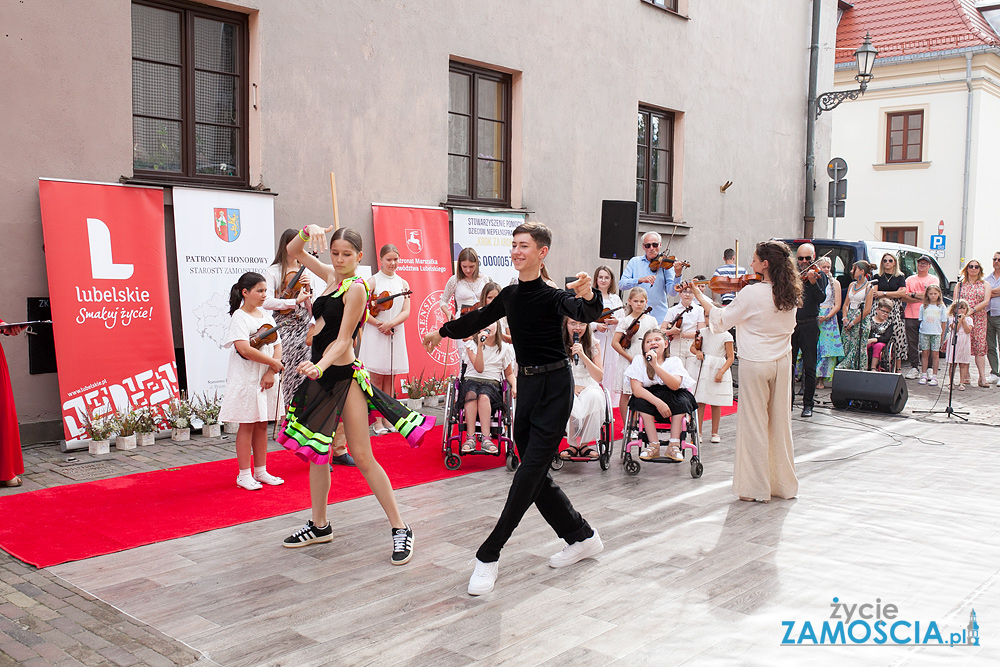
916 285
993 320
658 284
806 334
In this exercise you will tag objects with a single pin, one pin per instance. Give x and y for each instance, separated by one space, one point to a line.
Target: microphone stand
949 410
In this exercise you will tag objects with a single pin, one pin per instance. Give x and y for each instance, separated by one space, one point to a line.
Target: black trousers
806 338
544 403
912 325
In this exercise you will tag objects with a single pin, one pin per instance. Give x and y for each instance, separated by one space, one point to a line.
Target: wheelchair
605 440
634 438
885 360
454 429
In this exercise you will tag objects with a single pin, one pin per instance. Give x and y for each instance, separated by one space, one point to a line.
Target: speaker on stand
869 390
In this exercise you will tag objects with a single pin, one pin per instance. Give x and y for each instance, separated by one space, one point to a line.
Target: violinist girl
383 345
604 331
465 287
634 308
680 327
251 397
339 389
713 380
293 313
660 388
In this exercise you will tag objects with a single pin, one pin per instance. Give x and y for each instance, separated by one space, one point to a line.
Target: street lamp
865 56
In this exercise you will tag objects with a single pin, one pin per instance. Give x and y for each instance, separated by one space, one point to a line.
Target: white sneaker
267 478
912 374
248 483
922 380
993 377
716 438
484 577
577 551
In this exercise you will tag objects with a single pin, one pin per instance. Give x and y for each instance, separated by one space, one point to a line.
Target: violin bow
279 401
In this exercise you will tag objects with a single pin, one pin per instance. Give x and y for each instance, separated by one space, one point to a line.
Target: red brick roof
904 27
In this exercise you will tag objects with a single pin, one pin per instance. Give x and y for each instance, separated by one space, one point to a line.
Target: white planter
432 401
180 434
125 442
414 403
99 447
211 430
231 427
145 439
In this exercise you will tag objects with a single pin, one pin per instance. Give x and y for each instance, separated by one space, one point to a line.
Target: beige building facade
371 90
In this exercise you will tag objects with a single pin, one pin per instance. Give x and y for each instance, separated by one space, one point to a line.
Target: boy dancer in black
534 312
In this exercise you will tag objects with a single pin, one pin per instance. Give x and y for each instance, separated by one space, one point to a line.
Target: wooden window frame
905 115
900 231
644 212
189 159
475 74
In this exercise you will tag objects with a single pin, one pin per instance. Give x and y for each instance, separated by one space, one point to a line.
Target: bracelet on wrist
320 370
304 233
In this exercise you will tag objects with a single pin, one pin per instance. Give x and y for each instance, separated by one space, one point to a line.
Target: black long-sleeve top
812 296
882 331
534 312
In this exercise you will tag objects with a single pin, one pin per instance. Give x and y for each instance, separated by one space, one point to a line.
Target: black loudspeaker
869 390
619 226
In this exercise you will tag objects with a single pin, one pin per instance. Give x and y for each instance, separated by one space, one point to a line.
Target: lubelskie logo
227 224
874 624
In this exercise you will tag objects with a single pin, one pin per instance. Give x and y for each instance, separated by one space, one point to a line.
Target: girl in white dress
714 380
588 405
383 345
466 287
682 336
961 355
605 331
635 309
251 396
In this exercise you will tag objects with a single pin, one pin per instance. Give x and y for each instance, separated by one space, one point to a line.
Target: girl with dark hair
607 286
251 398
293 314
764 316
857 318
339 389
588 403
660 387
383 346
490 361
465 287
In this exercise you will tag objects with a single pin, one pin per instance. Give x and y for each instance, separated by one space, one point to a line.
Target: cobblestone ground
45 621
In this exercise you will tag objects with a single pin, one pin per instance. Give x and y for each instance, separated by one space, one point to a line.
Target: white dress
244 402
620 363
465 293
608 353
588 407
383 354
680 347
707 390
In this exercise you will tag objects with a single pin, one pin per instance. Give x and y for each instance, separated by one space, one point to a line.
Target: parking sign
937 242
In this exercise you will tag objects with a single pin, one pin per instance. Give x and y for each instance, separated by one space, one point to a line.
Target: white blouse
763 333
465 293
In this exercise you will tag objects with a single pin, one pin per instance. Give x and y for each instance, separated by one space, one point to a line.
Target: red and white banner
421 234
106 262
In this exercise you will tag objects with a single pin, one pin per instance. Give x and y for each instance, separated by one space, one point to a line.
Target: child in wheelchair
660 388
881 333
489 362
588 404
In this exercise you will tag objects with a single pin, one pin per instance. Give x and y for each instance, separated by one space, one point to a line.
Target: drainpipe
809 218
968 158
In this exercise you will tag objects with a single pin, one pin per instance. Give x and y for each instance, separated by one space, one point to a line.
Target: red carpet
78 521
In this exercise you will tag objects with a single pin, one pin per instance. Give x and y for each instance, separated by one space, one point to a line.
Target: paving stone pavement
46 621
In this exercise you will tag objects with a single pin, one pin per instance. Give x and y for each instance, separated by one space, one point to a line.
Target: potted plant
414 392
99 430
432 395
147 423
126 422
207 410
178 418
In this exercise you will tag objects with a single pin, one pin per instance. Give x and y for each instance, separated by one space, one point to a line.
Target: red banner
421 234
106 262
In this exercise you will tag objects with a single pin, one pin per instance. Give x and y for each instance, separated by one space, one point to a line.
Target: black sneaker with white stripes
309 534
402 545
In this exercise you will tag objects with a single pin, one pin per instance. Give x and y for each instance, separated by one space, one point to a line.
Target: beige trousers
765 461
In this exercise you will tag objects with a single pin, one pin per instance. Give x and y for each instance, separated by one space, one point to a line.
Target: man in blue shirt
658 284
729 270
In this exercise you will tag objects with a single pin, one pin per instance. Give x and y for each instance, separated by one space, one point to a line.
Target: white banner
490 234
220 236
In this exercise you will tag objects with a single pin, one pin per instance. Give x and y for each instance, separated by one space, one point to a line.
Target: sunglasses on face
884 310
805 259
973 266
996 259
888 261
650 245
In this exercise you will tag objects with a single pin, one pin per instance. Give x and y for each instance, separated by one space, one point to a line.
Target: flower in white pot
99 429
415 392
126 422
178 418
147 424
207 410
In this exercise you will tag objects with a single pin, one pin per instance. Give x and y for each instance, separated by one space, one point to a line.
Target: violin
384 300
607 313
465 310
698 340
632 329
265 335
679 320
664 261
723 284
291 287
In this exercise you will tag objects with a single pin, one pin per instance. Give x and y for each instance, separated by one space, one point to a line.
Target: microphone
649 357
576 357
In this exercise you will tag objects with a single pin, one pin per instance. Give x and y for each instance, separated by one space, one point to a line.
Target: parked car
844 253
